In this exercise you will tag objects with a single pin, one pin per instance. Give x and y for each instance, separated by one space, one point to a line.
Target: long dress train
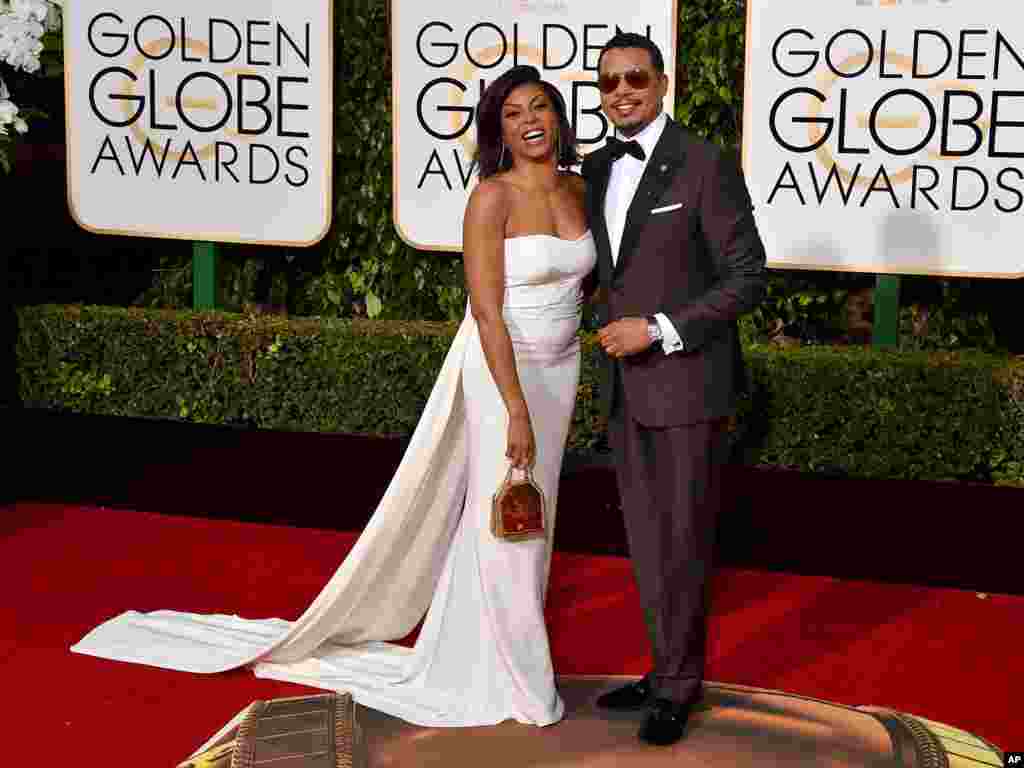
482 655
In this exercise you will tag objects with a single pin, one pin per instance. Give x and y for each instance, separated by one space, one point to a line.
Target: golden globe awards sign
446 51
197 120
887 135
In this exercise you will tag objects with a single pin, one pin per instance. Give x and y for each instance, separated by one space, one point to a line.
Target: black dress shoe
665 722
631 696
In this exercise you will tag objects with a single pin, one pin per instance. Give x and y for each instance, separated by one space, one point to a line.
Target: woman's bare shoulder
491 197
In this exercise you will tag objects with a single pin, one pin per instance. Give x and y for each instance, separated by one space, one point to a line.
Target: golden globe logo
900 113
492 56
466 62
200 122
189 102
446 52
879 119
207 97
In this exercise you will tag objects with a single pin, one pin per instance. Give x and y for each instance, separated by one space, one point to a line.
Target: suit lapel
597 186
666 161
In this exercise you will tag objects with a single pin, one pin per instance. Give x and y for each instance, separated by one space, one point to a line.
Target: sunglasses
636 78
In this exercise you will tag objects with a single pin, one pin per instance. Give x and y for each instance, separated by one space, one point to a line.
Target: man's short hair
634 40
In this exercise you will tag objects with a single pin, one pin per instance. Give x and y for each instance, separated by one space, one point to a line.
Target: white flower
22 26
20 43
30 9
8 112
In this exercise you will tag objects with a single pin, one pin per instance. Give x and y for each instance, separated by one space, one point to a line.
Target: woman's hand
522 448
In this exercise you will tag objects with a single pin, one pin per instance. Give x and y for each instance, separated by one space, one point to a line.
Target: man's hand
625 337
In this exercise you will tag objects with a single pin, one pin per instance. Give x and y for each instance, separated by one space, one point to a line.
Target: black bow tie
618 148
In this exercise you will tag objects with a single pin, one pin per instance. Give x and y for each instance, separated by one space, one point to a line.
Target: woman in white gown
505 394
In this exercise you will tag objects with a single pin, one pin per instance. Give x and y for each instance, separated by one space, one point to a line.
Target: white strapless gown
482 655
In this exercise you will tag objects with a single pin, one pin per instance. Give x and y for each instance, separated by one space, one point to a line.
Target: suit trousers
669 483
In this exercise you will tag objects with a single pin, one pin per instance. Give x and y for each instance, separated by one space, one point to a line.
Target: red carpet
944 654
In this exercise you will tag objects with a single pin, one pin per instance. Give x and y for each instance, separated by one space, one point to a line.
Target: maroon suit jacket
702 264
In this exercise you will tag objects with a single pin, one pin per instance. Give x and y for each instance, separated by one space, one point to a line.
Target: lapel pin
663 168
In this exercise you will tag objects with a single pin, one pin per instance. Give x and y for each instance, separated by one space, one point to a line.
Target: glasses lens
638 78
608 83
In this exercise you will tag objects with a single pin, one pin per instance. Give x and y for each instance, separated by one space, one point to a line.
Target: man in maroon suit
679 259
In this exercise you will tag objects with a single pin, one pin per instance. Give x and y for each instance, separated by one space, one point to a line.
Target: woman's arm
483 242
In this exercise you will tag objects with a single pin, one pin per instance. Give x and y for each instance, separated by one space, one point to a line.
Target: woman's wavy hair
491 156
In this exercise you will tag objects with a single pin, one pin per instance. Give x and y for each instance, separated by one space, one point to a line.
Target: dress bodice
543 296
543 274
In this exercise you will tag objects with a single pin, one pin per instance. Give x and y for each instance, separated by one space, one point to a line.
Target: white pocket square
667 208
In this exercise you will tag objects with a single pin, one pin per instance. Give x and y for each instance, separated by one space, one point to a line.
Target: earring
501 157
558 148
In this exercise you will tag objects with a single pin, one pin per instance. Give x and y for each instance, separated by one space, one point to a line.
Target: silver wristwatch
653 330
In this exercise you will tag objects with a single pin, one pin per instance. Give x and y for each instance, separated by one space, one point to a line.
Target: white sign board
887 135
446 51
198 120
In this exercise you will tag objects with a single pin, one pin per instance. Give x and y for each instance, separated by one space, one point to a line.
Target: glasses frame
637 78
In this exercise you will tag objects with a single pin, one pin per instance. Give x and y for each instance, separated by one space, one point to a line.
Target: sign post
886 325
204 276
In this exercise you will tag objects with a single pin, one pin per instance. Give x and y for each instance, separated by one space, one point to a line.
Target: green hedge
858 412
866 412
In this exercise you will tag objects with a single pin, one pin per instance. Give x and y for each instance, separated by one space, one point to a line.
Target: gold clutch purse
517 511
